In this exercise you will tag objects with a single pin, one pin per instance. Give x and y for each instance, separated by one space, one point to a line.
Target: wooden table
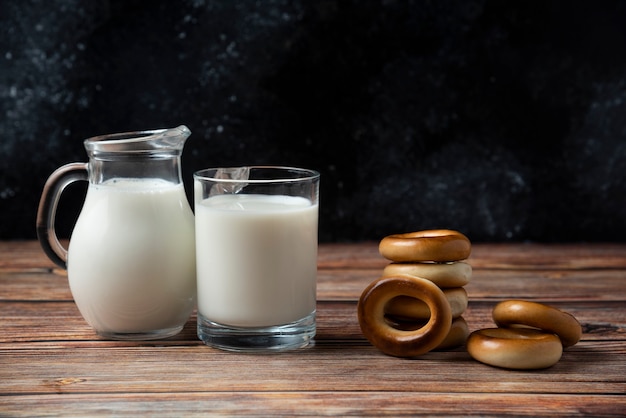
52 364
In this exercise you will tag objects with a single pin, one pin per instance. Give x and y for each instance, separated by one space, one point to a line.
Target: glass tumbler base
141 336
266 339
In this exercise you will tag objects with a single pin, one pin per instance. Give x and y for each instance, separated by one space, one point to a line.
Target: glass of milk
256 257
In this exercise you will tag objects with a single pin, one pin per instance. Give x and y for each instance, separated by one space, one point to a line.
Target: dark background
503 119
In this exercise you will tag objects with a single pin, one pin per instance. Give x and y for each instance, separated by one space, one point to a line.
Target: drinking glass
256 255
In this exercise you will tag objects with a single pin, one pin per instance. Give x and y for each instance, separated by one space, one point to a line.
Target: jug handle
46 213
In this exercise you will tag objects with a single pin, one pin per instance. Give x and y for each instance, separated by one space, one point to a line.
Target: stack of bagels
418 303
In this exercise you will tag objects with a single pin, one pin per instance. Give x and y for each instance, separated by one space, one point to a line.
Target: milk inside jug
131 256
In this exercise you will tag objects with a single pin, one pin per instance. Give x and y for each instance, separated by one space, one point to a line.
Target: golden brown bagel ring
396 342
411 308
456 337
459 331
515 348
533 314
439 245
444 275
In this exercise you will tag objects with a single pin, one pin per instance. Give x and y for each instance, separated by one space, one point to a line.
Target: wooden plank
348 284
534 256
591 368
340 350
61 321
27 255
527 256
486 284
23 256
548 285
34 286
327 403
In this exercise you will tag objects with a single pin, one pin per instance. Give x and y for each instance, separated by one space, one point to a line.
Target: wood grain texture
53 364
325 403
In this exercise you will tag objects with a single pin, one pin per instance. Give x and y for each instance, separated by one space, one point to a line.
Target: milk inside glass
256 259
131 267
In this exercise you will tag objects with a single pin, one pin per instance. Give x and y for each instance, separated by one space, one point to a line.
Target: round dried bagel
515 348
398 342
438 245
512 313
444 275
459 331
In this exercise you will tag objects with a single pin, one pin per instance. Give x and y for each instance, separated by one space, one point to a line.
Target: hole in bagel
403 323
409 308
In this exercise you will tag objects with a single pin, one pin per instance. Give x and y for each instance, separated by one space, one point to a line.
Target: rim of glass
304 174
124 137
144 141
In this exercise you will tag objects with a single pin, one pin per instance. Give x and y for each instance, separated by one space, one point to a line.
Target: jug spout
172 138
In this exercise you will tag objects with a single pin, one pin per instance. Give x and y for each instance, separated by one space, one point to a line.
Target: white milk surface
256 259
131 259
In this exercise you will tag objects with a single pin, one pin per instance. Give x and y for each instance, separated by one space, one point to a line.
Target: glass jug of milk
131 255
